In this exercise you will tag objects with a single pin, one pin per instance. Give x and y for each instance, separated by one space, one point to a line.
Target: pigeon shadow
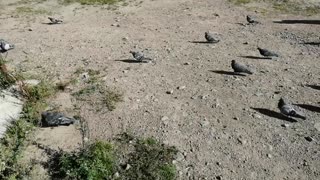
298 22
312 43
255 57
309 107
227 73
314 87
274 114
203 42
49 23
130 61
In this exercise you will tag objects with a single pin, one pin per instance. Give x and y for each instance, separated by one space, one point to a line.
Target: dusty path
211 120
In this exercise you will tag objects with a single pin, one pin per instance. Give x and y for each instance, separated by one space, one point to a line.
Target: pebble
181 87
187 63
219 177
164 118
285 125
257 116
116 175
269 155
170 92
308 138
317 126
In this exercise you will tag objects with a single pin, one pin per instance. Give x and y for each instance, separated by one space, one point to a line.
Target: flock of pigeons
285 108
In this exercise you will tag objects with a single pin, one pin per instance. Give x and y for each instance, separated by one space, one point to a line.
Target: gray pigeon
50 119
251 20
138 56
267 53
5 46
239 68
210 38
54 20
288 110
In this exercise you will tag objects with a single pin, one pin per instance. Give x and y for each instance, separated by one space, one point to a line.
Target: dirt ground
225 126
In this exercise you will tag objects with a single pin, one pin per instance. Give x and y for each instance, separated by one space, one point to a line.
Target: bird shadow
227 73
312 43
274 114
309 107
255 57
50 23
203 42
298 22
314 87
130 61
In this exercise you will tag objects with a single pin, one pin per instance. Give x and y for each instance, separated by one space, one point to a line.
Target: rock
30 29
51 119
10 109
219 177
116 175
285 125
269 155
317 126
255 115
187 63
181 87
308 138
204 123
170 92
164 118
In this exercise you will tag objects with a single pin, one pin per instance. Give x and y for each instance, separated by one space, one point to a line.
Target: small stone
164 118
30 29
219 163
204 123
308 138
187 63
257 116
118 25
269 155
317 126
125 71
116 175
128 166
181 87
219 177
305 163
170 92
285 125
236 118
125 38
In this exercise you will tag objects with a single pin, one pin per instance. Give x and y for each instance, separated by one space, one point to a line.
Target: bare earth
211 120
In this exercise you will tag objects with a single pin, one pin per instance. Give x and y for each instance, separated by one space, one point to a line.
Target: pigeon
251 20
267 53
209 37
138 56
50 119
239 68
5 46
54 20
287 110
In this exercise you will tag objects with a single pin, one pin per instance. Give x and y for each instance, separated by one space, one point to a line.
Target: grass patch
147 159
96 161
90 2
6 79
16 135
239 2
111 98
151 160
31 11
14 141
288 7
